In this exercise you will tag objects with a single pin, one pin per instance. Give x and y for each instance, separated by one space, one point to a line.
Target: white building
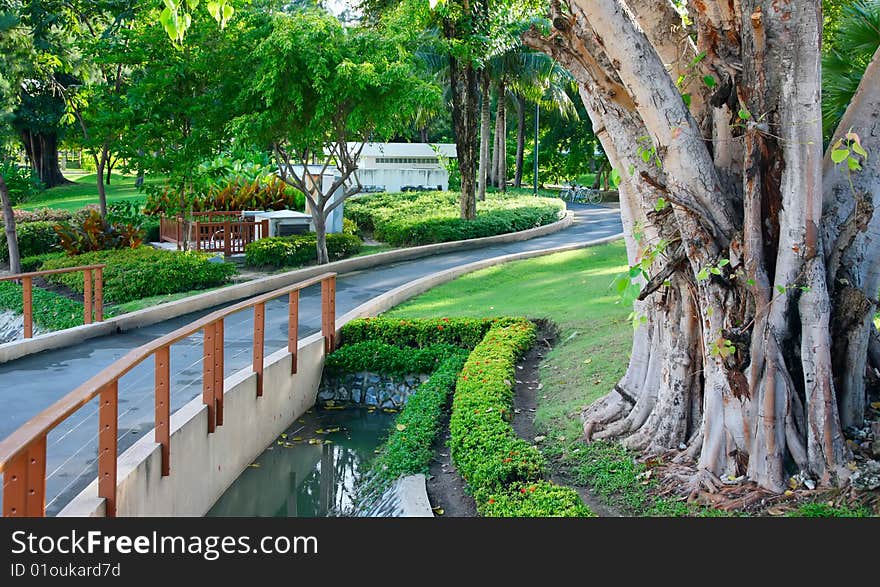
393 167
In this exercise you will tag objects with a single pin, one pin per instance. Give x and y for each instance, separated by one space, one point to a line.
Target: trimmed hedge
34 262
388 359
409 450
34 238
493 461
51 311
298 250
133 274
433 217
461 332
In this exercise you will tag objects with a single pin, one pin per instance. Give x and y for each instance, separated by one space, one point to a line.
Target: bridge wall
204 465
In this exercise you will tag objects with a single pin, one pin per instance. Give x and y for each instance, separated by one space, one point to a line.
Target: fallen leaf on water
254 465
438 511
875 405
401 427
314 441
284 436
297 438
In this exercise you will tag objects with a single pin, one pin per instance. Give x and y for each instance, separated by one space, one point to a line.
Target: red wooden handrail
23 453
93 298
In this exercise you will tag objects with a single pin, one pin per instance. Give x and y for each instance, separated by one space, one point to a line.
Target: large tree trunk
485 131
732 365
501 133
520 140
100 164
464 118
321 237
9 226
42 153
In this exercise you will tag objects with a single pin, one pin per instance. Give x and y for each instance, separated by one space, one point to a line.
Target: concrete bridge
78 445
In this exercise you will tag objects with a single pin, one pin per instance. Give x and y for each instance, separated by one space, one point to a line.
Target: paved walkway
30 384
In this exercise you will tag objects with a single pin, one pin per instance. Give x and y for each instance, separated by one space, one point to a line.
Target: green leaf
710 81
839 155
703 275
661 204
744 114
858 148
687 99
193 4
781 289
635 271
228 11
170 22
646 155
724 262
750 281
715 271
854 164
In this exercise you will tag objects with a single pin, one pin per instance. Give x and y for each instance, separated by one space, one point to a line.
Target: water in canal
312 470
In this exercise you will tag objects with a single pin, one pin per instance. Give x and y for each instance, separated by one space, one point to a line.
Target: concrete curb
413 493
63 338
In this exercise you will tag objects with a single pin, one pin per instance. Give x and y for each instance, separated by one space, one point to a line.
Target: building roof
406 149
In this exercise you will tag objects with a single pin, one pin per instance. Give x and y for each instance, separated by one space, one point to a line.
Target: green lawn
84 191
573 290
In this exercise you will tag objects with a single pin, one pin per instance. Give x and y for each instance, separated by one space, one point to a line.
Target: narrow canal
312 469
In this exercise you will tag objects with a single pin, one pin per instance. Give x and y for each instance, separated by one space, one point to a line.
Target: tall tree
752 251
16 57
318 92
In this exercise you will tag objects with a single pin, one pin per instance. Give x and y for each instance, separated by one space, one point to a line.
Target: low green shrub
824 510
51 311
132 274
539 499
298 250
433 217
504 472
460 332
22 182
409 449
388 359
34 262
41 215
34 238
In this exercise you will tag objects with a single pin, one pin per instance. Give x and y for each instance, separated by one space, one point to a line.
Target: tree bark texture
485 131
753 350
42 154
463 81
9 226
520 140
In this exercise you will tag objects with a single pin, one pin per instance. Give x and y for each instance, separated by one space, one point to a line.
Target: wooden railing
93 297
23 453
213 232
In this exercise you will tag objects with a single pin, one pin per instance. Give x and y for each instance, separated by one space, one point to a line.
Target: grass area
84 191
135 305
373 249
570 288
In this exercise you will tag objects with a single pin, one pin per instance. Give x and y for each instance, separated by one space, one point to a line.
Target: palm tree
855 39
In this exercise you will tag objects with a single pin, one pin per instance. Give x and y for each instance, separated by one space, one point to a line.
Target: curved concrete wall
62 338
204 465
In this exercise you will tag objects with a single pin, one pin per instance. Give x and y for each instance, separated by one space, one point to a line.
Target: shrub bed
495 463
388 359
34 262
132 274
34 238
298 250
461 332
433 217
51 311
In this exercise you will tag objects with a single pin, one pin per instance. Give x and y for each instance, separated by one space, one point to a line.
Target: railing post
108 423
293 328
264 232
259 344
227 238
99 294
87 295
24 483
208 381
218 371
328 313
27 292
163 406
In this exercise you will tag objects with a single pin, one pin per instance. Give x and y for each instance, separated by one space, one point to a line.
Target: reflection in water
296 478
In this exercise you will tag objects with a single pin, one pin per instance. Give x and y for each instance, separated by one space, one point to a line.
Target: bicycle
581 195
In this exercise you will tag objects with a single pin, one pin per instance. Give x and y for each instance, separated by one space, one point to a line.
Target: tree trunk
321 237
100 164
42 154
463 78
753 260
520 140
502 136
110 163
9 226
485 132
496 145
